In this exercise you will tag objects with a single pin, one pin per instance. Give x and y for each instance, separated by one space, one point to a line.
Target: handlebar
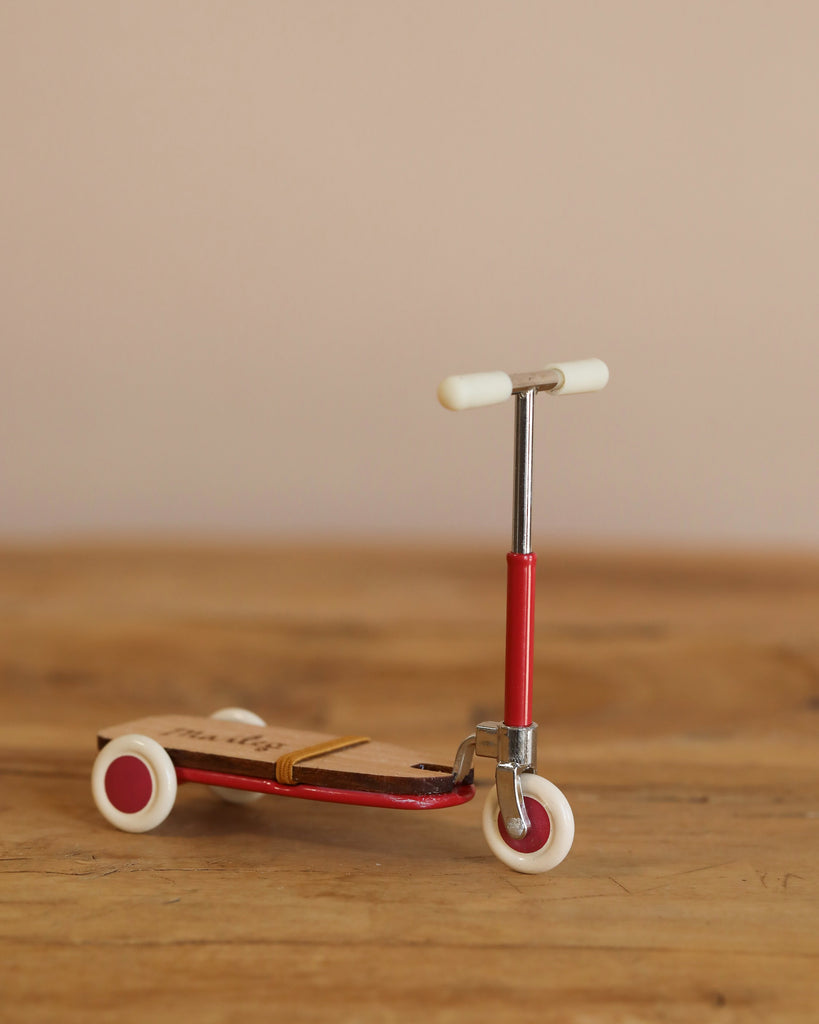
472 390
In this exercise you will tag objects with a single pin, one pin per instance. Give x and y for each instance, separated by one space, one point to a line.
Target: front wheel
550 836
134 783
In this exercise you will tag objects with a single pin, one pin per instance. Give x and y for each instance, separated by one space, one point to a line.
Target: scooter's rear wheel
550 836
237 796
134 783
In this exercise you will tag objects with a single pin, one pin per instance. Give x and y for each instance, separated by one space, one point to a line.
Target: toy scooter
527 821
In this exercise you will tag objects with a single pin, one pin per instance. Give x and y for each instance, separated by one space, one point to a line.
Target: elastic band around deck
287 762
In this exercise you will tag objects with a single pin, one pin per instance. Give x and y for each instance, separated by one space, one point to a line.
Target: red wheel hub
129 784
537 836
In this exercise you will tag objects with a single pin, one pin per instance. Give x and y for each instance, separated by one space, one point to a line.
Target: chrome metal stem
540 380
514 748
462 764
522 507
511 802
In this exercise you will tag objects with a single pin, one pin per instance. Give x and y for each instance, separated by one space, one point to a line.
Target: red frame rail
459 795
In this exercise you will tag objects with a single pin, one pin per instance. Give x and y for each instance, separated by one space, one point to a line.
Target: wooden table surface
678 702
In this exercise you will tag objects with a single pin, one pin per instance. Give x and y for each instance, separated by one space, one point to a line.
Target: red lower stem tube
520 638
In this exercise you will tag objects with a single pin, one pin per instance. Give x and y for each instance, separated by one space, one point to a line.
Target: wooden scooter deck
249 751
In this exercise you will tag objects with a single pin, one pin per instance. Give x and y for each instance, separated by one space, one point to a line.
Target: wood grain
678 702
196 742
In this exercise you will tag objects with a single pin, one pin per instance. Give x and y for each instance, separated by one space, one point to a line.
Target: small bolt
516 828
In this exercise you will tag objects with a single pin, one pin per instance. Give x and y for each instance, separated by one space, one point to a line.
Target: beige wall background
242 242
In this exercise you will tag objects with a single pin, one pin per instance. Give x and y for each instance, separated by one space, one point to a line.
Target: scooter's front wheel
550 836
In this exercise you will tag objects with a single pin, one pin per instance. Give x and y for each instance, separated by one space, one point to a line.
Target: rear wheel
134 783
237 796
550 836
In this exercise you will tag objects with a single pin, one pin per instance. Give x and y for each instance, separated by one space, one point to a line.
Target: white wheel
548 840
237 796
134 783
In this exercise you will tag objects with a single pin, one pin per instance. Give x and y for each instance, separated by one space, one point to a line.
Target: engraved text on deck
257 742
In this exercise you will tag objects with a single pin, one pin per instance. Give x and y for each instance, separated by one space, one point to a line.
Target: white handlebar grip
471 390
581 375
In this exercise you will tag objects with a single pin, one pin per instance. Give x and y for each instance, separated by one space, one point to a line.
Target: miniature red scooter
527 821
